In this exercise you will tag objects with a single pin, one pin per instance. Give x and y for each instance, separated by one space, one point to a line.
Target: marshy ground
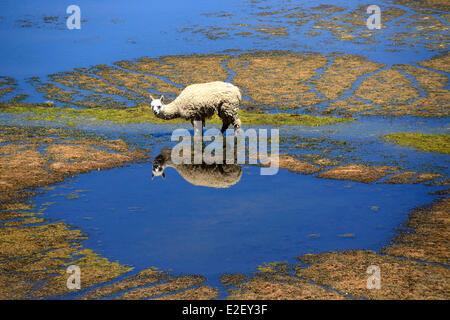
366 132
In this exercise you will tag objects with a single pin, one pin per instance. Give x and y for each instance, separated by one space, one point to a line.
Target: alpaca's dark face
158 167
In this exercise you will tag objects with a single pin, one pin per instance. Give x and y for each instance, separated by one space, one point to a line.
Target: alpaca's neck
167 156
169 111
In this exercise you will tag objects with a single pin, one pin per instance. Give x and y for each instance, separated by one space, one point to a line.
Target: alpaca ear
163 175
152 97
162 98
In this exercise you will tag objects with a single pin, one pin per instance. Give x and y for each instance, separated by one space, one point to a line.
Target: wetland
364 153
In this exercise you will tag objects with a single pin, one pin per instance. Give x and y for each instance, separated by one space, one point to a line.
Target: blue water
115 30
363 137
172 224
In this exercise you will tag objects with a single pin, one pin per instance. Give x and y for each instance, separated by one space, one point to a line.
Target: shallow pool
173 224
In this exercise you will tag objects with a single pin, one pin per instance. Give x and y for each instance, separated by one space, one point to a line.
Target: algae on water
439 143
142 114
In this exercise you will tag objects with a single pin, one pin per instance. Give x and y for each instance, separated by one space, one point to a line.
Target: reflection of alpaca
200 101
212 175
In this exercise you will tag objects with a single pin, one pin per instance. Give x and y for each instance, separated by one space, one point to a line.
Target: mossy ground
346 23
142 114
310 83
342 160
439 143
35 253
39 157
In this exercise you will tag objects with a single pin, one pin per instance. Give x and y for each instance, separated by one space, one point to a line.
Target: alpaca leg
225 126
198 130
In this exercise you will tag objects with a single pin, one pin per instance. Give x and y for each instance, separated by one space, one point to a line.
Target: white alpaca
198 102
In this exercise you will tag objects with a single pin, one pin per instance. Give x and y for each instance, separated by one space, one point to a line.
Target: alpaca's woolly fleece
213 176
201 101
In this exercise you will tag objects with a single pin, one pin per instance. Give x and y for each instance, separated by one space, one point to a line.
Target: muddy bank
40 157
343 275
412 24
329 169
425 236
307 83
34 253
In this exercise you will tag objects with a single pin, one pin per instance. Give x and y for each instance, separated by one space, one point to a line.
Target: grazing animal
206 175
198 102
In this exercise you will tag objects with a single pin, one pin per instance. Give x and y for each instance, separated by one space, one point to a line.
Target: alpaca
213 175
200 101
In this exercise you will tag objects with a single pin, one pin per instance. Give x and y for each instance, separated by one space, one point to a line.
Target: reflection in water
206 175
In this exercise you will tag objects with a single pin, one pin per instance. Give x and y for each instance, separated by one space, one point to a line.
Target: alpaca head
159 164
157 105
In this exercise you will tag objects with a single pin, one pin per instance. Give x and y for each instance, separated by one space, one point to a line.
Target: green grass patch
142 114
439 143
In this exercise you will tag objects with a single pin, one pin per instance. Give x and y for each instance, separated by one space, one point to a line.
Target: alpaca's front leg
225 126
198 127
